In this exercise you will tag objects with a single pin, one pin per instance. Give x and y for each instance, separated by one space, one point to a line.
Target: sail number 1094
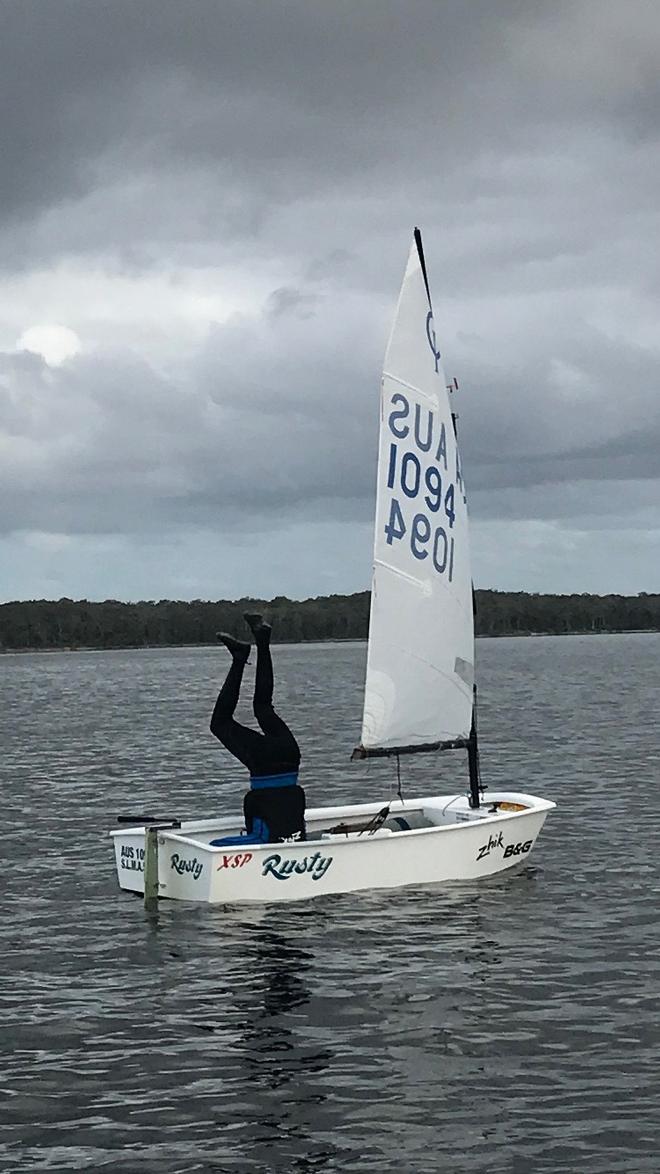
426 539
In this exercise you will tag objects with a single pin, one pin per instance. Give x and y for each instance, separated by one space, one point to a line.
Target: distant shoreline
330 640
78 625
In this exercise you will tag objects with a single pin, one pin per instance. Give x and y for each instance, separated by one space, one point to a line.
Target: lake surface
511 1026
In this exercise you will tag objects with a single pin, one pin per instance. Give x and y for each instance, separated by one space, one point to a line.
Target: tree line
68 623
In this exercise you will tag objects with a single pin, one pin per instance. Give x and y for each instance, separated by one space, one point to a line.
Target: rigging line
398 778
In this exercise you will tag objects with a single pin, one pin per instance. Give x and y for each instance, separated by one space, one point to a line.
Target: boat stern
185 866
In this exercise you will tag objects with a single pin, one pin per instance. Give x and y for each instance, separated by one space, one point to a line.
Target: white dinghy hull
445 840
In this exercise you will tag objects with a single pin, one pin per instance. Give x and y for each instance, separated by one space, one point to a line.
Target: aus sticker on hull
132 858
426 491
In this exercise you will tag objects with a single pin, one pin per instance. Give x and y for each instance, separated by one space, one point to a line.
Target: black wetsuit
274 807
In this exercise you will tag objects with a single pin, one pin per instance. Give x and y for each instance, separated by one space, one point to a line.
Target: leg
241 741
263 681
229 694
271 723
237 739
283 743
279 750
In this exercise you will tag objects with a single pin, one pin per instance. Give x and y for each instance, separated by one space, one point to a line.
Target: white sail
420 665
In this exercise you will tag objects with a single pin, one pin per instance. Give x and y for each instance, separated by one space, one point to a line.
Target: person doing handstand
274 807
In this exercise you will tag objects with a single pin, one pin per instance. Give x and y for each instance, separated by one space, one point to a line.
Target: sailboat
420 691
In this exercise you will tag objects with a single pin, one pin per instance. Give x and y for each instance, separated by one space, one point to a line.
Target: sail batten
420 662
432 398
401 574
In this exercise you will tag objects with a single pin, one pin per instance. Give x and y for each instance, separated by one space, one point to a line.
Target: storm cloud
217 201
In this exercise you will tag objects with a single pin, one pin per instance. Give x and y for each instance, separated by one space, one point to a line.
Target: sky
205 214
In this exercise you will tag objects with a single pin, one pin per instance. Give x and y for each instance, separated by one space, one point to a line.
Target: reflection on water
283 966
283 1067
511 1026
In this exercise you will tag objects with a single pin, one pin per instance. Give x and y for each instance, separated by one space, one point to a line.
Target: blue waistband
285 780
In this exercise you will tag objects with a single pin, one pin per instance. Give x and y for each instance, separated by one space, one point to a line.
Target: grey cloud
584 503
297 143
259 85
573 404
291 301
277 417
259 426
262 104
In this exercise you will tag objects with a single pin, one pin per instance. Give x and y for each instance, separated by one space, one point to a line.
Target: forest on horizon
69 624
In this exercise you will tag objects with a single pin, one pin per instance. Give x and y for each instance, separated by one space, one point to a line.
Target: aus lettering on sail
423 471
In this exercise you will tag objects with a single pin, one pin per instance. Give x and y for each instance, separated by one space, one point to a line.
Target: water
511 1026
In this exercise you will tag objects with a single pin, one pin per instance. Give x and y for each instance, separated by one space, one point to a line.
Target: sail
420 663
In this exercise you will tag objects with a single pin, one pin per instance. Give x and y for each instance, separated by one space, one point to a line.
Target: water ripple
508 1027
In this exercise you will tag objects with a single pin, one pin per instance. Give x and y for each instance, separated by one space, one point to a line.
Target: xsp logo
517 849
236 860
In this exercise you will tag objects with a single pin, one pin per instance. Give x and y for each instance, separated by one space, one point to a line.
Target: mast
472 742
422 260
473 760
